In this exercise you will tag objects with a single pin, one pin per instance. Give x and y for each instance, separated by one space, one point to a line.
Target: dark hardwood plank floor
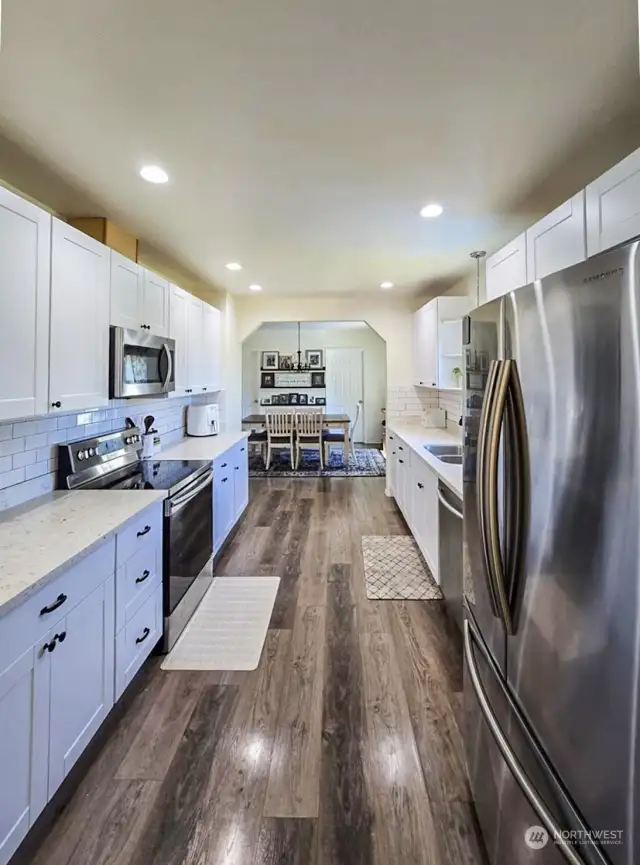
342 748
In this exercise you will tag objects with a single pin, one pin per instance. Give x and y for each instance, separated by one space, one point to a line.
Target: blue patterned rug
369 463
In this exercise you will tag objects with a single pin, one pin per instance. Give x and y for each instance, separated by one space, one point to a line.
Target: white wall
231 365
285 340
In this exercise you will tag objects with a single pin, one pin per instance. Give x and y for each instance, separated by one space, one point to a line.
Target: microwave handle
169 365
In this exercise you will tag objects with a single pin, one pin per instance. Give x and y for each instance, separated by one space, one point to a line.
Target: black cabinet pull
144 636
223 466
204 388
420 486
400 461
224 480
145 531
59 601
145 576
400 447
241 450
56 404
390 438
237 468
50 646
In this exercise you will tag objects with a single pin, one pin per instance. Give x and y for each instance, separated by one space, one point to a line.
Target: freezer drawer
513 790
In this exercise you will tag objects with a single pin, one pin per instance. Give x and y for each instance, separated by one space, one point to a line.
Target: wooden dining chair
336 437
309 426
280 430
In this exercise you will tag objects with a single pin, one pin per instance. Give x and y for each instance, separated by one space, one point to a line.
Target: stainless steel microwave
140 363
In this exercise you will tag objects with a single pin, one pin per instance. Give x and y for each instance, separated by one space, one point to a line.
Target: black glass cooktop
154 475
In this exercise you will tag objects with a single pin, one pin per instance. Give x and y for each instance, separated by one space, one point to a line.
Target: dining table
330 421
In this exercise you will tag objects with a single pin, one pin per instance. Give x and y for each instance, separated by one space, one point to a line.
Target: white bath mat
394 570
228 630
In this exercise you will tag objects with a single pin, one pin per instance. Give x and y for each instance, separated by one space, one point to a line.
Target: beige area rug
228 630
395 570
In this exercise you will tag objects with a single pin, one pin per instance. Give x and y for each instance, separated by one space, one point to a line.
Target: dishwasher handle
449 507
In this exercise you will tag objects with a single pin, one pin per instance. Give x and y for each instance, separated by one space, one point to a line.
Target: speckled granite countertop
40 539
202 447
417 436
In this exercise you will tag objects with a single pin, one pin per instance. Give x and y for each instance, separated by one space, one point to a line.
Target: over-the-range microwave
140 364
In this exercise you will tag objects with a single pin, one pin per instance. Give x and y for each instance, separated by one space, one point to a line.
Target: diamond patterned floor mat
394 570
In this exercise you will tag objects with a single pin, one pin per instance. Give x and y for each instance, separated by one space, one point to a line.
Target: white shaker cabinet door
558 240
178 313
154 302
125 292
195 365
506 270
79 349
210 348
24 742
425 350
82 679
240 479
25 261
613 206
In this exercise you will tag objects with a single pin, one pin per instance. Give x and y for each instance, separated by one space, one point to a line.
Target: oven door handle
169 365
176 504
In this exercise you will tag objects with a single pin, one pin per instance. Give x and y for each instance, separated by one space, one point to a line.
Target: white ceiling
303 136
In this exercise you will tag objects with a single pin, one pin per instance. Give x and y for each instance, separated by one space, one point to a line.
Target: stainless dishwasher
450 551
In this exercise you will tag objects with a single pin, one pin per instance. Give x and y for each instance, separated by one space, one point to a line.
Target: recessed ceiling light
233 265
154 174
386 285
431 210
255 288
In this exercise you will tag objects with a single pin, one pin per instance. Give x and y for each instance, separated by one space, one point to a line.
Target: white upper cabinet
195 371
210 348
613 206
154 302
425 345
178 313
558 240
451 311
506 270
79 349
125 292
25 244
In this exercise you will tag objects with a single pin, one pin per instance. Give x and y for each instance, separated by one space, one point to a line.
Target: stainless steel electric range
112 462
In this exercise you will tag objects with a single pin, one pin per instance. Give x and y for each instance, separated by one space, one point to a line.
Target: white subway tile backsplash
57 437
37 470
67 420
11 446
21 493
49 424
44 453
6 464
6 432
36 441
25 458
83 418
8 479
24 429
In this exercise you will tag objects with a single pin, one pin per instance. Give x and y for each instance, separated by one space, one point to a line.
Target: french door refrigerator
551 565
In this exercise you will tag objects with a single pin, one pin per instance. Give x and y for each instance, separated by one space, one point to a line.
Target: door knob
56 404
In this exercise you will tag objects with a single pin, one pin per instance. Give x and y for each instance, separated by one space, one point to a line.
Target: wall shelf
295 387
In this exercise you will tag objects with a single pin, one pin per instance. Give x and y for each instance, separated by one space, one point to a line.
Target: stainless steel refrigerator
552 565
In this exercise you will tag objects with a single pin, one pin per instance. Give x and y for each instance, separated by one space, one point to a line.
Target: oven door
140 363
188 548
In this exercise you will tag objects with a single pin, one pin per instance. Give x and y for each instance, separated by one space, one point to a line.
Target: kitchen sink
441 451
453 459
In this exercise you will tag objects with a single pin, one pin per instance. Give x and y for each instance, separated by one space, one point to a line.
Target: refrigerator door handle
510 758
485 422
491 471
518 515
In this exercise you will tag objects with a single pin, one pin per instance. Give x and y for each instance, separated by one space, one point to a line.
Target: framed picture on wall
302 399
267 379
286 361
266 400
315 358
320 400
317 379
270 359
312 400
293 399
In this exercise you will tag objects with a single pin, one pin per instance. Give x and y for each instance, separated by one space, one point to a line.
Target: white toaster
203 420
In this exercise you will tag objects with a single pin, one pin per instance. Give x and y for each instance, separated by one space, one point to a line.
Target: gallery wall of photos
286 380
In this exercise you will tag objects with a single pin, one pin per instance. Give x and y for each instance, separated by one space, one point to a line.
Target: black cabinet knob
400 461
400 447
145 576
57 638
144 531
56 404
223 466
204 388
144 636
224 480
59 601
420 486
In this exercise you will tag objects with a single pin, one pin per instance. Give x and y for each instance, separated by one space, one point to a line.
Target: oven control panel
85 460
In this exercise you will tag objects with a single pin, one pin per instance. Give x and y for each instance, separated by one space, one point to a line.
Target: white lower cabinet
230 491
392 463
81 679
138 637
24 746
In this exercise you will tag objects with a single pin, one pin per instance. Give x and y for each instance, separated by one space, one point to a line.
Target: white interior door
344 381
251 385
